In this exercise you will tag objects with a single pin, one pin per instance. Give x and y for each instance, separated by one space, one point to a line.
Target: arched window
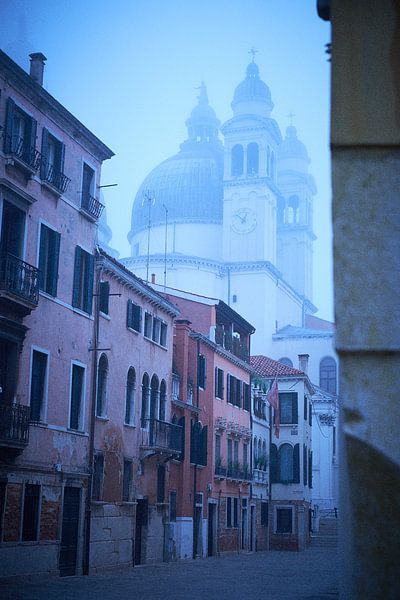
293 204
286 361
101 397
328 374
237 160
252 159
163 400
130 397
145 400
286 463
255 455
264 455
274 465
259 454
153 397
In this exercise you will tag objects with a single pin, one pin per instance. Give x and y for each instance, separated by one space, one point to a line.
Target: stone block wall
112 534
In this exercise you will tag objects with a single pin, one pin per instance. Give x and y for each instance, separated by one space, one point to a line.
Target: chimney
303 362
153 278
37 66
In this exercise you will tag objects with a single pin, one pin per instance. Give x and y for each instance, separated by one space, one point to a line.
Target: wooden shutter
32 136
89 283
136 317
228 387
53 258
76 396
229 512
274 466
310 414
296 464
181 422
310 468
129 313
216 379
238 393
43 245
104 296
305 408
295 412
203 445
9 126
39 362
305 465
44 150
77 277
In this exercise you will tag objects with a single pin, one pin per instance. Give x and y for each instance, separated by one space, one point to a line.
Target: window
190 393
310 469
217 450
264 514
310 414
30 522
52 162
163 334
252 159
38 385
289 464
127 480
148 325
20 135
88 182
201 371
163 400
245 456
237 160
305 464
305 408
175 386
234 391
102 376
98 475
284 520
145 400
288 408
133 316
198 443
172 506
327 374
83 280
49 251
274 465
130 397
160 484
156 330
232 505
219 383
104 296
76 405
12 230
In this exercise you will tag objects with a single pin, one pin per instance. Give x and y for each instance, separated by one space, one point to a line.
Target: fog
129 70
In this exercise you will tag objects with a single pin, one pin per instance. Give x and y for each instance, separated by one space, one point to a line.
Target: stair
327 536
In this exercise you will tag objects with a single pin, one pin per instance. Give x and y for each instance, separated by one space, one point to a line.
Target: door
252 528
141 522
69 533
245 531
211 528
12 230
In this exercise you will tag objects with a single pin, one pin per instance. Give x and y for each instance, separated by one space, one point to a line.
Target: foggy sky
129 71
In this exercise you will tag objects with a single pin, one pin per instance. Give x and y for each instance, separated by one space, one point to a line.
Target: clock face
244 220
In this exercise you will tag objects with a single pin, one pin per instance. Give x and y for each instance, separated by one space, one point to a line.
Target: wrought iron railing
55 177
19 278
220 470
14 424
238 471
233 344
161 435
23 150
92 206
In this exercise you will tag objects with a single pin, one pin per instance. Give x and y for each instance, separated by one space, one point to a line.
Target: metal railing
19 278
240 472
92 206
161 435
23 150
55 177
14 424
220 470
231 343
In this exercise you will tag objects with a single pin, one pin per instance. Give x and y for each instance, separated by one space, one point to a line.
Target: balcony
238 472
22 151
160 437
14 427
220 471
92 206
57 181
18 283
260 476
231 343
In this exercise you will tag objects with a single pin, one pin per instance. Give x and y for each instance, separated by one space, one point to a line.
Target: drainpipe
88 508
219 523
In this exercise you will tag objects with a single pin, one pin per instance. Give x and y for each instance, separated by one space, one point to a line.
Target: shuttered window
274 466
161 484
219 383
198 444
305 464
246 396
98 475
52 162
201 371
49 251
104 296
76 417
20 135
30 522
133 316
232 510
127 479
288 408
38 381
284 520
82 292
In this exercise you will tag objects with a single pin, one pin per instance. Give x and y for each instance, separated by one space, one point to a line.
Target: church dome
291 147
252 89
189 184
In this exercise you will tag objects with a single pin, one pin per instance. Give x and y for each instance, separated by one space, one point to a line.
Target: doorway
245 528
141 522
69 533
211 529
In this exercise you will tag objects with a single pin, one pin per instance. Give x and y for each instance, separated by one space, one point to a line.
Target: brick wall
50 513
12 512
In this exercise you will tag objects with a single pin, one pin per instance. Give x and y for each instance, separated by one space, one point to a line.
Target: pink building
49 178
212 399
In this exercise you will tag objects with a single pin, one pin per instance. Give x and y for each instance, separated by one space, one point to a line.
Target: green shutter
310 469
295 412
77 277
228 387
39 362
129 313
9 126
44 151
273 467
89 276
296 464
43 244
203 446
52 262
76 395
305 465
181 422
216 381
104 296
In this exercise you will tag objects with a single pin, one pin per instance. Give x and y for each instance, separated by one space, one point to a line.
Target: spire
202 97
252 90
202 124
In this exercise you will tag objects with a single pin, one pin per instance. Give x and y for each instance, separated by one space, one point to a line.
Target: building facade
49 177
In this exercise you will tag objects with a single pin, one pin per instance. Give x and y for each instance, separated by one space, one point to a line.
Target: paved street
309 575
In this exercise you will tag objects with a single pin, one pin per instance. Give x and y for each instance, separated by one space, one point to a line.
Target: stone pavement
308 575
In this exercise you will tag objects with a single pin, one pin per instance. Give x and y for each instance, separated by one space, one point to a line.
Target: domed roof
252 88
291 147
189 184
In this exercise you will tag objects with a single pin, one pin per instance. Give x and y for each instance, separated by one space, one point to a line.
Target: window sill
51 188
130 425
77 432
135 331
105 316
102 418
155 343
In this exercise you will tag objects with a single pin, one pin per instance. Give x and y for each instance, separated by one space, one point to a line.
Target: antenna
165 246
148 197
